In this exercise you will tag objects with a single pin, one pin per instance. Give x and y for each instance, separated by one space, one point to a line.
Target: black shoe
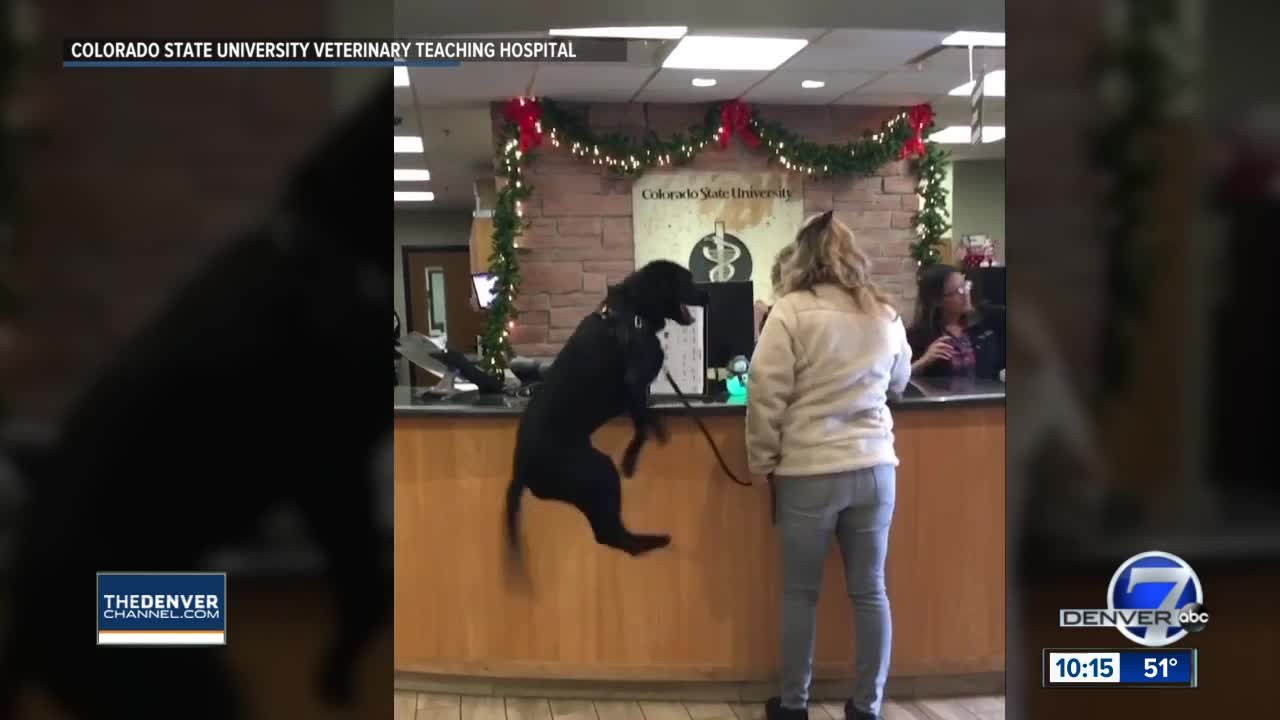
853 713
773 710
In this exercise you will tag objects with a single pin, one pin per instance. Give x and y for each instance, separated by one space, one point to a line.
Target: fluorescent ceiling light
732 53
407 175
400 73
408 144
658 32
704 82
969 38
960 135
992 86
812 84
403 196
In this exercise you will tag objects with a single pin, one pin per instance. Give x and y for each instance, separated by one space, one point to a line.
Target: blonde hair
825 252
775 273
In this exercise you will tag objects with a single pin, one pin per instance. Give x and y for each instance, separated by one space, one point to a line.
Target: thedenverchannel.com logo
1154 599
162 609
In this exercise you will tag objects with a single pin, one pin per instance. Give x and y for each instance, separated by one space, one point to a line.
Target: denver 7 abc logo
1154 599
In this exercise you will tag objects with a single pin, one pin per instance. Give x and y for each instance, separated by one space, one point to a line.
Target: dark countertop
923 392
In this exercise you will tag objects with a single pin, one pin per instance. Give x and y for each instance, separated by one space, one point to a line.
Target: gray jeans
857 507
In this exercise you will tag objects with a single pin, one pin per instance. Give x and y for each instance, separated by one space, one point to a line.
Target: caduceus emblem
720 257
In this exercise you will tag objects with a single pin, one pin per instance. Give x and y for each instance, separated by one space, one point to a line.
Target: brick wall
581 235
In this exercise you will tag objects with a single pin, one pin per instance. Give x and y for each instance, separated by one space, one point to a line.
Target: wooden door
436 277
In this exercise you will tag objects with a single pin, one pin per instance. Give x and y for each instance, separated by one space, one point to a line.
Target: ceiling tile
955 110
784 87
677 86
864 50
892 100
913 82
404 97
956 60
470 82
717 31
602 82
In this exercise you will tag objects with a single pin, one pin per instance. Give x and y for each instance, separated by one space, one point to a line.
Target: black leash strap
723 465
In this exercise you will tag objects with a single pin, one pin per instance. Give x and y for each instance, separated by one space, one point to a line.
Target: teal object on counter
737 389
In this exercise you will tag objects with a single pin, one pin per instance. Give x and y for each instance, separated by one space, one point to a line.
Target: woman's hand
940 350
760 310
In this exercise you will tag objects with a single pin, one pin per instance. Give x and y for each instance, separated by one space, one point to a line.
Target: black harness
624 329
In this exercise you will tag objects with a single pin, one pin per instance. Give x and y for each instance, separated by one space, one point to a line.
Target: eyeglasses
962 290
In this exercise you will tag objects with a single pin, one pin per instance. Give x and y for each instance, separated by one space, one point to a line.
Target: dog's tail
516 572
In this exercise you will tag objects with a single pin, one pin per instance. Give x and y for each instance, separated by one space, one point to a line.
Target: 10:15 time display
1099 667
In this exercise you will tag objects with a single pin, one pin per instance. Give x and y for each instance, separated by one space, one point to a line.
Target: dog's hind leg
597 492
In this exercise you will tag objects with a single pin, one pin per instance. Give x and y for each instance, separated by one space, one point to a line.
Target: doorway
438 300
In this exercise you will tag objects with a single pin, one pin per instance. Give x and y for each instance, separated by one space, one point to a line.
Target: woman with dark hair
939 336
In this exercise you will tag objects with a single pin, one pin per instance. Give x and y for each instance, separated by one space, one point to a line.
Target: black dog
604 370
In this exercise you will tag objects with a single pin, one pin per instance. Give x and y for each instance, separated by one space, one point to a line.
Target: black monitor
730 321
988 285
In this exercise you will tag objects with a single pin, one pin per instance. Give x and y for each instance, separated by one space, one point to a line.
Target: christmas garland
529 122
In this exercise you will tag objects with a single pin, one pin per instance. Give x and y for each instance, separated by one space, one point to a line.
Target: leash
710 441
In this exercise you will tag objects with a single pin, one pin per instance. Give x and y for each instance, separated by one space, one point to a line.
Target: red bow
735 117
526 113
919 117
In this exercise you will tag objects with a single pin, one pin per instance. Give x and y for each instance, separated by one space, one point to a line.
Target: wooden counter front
705 609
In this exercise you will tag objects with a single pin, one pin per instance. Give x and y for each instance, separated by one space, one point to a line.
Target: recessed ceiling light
407 175
960 134
408 144
732 53
659 32
400 74
970 38
403 196
992 86
704 82
812 84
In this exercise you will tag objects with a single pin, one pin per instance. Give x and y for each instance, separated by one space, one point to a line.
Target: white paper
685 347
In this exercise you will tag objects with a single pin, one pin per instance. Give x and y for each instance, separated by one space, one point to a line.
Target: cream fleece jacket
818 382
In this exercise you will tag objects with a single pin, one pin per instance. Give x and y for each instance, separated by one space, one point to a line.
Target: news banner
1155 600
182 52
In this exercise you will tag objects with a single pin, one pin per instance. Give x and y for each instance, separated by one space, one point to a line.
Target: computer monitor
482 284
730 322
484 382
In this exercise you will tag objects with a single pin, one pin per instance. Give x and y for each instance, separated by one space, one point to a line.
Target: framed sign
722 226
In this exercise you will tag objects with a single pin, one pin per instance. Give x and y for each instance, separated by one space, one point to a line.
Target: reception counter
704 610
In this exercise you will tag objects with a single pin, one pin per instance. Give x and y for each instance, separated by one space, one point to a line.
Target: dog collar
608 314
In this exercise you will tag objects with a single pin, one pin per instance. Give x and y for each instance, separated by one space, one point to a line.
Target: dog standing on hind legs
604 370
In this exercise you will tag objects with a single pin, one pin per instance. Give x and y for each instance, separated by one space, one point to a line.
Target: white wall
429 228
977 200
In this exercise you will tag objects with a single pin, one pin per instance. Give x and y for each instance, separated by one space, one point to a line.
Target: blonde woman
775 278
830 351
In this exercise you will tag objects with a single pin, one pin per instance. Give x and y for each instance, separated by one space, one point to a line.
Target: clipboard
685 351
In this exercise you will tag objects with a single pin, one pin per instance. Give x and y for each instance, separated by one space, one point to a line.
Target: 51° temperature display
1128 667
